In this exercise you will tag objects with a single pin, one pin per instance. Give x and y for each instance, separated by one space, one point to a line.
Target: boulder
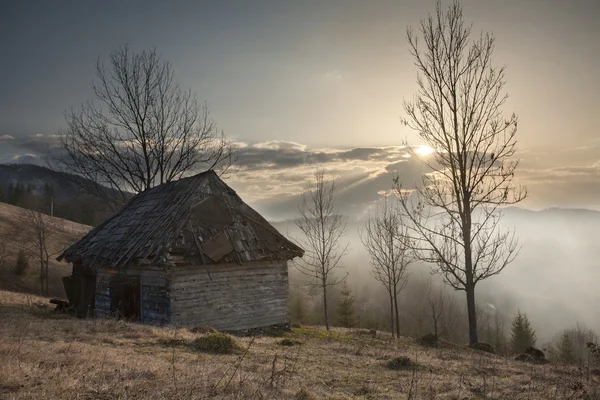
535 353
482 346
524 357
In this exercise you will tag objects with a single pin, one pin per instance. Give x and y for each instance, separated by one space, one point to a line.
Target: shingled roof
199 218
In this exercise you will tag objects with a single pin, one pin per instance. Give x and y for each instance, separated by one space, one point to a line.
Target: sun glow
424 150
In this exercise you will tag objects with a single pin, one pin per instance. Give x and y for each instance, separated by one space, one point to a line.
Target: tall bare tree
323 228
386 240
143 129
454 212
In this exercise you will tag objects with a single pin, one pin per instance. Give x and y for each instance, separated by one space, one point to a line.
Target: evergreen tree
1 195
10 198
345 309
298 308
49 199
565 349
15 193
522 335
22 263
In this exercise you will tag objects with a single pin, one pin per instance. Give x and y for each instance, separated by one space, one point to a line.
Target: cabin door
125 297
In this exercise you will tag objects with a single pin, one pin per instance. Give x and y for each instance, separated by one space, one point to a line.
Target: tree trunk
41 255
325 306
396 309
471 311
391 310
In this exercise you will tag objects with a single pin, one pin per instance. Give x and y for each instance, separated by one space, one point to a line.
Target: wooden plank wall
102 304
238 297
156 301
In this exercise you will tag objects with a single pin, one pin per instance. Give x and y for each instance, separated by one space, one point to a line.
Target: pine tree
10 198
522 335
22 263
298 309
345 309
566 350
1 195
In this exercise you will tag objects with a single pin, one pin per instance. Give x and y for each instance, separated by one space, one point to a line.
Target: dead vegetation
15 238
53 356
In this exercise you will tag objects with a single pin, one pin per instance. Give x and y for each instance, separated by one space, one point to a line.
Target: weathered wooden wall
237 297
155 298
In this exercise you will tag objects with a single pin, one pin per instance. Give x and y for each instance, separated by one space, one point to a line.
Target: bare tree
385 238
437 307
323 229
142 131
33 235
454 213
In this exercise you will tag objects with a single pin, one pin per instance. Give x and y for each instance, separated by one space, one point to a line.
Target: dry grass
68 233
50 356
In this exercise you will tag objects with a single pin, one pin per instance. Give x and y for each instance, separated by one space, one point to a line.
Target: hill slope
53 356
27 184
12 230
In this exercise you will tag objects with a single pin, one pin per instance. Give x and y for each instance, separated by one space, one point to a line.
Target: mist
552 279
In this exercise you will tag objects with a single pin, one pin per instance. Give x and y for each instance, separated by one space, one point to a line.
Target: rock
482 346
534 360
535 353
429 340
524 357
61 305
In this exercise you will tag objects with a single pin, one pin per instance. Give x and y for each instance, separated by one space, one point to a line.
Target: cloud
272 175
26 159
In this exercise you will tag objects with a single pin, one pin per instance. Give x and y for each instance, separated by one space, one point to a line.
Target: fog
553 279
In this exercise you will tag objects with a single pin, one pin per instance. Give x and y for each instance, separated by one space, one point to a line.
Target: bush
22 264
303 394
429 340
203 329
219 343
289 342
482 346
172 342
399 363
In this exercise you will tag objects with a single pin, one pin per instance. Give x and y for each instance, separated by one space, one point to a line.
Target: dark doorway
80 288
125 297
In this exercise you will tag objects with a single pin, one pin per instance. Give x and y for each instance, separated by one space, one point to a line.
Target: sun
424 150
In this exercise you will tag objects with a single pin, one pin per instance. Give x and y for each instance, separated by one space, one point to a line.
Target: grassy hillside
12 231
53 356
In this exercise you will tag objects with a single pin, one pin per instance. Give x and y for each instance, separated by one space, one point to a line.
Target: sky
296 84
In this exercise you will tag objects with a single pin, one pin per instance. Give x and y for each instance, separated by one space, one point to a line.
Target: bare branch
143 130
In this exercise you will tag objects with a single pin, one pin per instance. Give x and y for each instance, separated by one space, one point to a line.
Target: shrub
482 346
303 394
172 342
22 264
289 342
399 363
203 329
429 340
219 343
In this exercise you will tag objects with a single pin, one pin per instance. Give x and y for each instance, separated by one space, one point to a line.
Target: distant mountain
34 186
36 179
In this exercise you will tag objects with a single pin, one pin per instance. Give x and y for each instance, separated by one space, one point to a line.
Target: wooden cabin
188 252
